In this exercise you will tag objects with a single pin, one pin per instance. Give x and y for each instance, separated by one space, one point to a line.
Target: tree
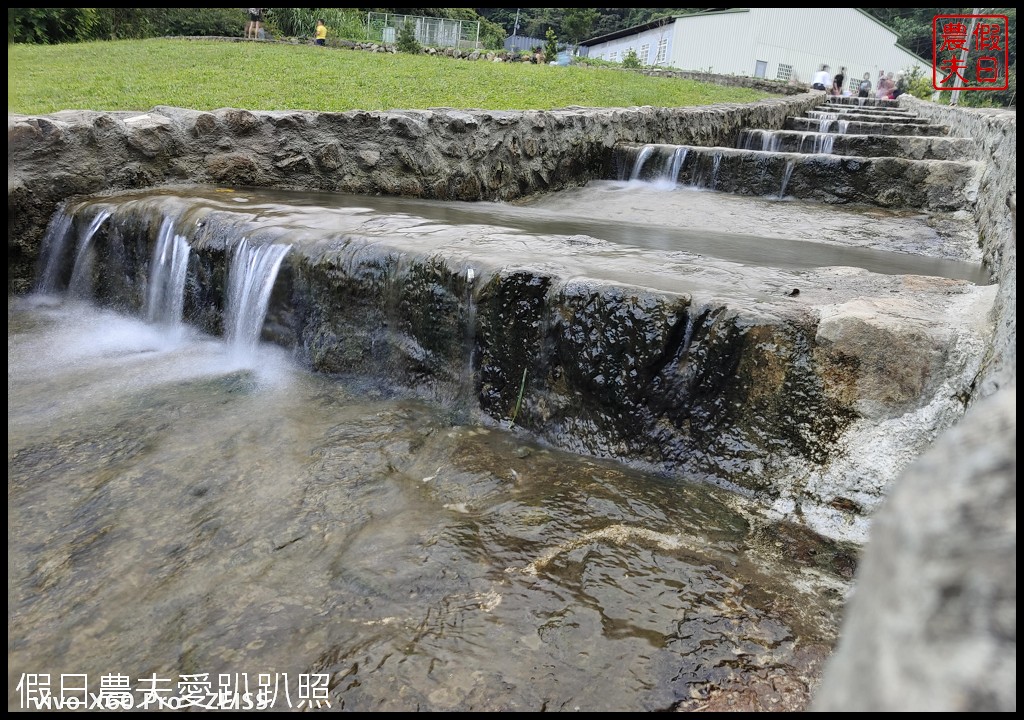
407 41
578 22
50 25
551 48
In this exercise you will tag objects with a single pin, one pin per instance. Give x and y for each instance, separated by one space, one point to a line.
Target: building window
662 52
613 56
645 51
785 72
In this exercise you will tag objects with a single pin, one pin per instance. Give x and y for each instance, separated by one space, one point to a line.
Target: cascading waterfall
844 125
716 163
638 165
770 141
826 143
53 250
466 398
250 282
81 275
786 175
165 298
676 166
825 121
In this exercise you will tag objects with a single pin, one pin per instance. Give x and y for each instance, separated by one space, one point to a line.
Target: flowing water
182 512
172 513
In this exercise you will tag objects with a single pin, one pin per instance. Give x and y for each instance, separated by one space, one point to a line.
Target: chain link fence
430 31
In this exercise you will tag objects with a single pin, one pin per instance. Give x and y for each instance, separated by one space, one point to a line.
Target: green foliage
575 24
492 34
203 75
631 60
407 41
595 62
550 46
135 24
50 25
59 25
578 22
342 23
199 22
519 400
918 83
914 28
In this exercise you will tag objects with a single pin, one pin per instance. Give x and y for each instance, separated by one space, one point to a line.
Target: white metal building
773 43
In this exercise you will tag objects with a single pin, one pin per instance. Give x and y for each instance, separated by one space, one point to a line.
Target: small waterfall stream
81 276
250 282
786 175
166 294
53 250
676 166
641 158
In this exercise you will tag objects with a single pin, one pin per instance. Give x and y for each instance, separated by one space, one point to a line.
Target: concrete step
734 372
864 110
872 117
882 181
864 102
910 147
862 127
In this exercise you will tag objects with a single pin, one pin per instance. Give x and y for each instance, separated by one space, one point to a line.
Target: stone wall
932 625
953 589
995 132
772 86
438 153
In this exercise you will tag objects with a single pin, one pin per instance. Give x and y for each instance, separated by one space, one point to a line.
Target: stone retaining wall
995 132
438 153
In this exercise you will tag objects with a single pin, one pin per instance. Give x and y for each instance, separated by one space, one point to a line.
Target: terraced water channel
179 509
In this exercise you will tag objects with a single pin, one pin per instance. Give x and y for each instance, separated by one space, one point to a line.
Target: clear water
172 512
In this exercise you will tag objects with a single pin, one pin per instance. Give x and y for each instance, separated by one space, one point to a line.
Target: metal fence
430 31
521 43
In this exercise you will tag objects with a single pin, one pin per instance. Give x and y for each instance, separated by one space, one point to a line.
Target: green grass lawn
205 75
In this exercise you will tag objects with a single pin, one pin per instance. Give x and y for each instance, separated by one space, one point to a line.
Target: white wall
806 38
617 49
717 42
732 42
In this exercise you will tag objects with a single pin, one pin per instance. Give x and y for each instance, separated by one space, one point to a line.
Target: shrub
51 25
917 84
551 47
300 22
199 22
631 60
407 41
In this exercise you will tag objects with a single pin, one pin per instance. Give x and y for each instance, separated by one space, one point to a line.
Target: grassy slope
205 75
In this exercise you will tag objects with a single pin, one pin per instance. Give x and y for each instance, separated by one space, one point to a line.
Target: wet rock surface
806 343
712 368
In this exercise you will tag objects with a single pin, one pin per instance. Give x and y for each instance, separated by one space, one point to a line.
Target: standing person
822 79
864 89
252 30
838 81
321 33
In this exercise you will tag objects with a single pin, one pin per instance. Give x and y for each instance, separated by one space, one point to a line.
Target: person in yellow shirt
321 33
